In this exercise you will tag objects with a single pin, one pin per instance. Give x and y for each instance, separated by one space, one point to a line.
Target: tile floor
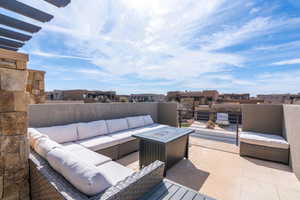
216 169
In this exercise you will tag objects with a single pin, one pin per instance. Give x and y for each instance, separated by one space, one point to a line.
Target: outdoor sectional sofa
75 161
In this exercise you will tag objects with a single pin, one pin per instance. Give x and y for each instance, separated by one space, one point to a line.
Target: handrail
195 117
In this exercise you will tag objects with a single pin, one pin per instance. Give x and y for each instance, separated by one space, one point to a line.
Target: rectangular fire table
167 144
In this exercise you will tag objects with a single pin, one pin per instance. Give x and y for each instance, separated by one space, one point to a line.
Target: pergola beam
25 10
8 48
14 35
10 43
59 3
18 24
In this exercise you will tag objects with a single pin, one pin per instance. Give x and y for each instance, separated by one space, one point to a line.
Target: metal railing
233 118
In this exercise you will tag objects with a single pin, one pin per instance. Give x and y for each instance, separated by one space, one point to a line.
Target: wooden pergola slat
25 10
8 48
13 39
14 35
59 3
18 24
10 43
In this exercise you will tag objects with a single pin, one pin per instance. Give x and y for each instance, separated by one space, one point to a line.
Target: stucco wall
292 131
263 118
59 114
167 114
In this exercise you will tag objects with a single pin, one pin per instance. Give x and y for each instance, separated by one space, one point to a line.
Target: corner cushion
44 145
269 140
60 134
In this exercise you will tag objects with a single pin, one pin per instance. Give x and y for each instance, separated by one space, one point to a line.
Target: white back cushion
115 125
34 135
84 176
61 134
45 145
222 116
148 120
134 122
92 129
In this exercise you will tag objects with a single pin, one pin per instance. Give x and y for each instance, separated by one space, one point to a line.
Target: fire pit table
167 144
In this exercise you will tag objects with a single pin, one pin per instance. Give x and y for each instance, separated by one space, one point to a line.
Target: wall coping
13 55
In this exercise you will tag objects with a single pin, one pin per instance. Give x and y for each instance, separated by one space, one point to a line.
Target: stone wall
14 149
36 86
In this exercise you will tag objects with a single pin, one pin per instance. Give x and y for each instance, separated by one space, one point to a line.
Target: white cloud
53 55
170 40
288 62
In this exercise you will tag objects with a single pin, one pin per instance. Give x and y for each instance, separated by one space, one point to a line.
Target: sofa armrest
136 185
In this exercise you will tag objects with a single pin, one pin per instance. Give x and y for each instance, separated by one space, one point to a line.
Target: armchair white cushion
92 129
134 122
61 134
115 125
148 120
263 139
86 177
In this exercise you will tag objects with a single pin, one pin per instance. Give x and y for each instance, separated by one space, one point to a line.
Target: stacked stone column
14 148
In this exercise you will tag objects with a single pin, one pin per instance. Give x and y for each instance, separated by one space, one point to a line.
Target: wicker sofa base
47 184
265 153
118 151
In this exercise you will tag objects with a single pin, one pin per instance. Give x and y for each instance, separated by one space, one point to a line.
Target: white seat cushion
123 136
86 177
91 129
116 125
99 142
86 154
44 145
61 134
134 122
114 172
147 128
269 140
148 120
34 135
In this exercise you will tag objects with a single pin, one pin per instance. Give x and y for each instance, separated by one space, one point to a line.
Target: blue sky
135 46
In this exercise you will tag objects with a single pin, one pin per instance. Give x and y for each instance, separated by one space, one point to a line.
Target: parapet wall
262 118
291 127
43 115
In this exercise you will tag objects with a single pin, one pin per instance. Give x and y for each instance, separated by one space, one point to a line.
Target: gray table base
169 153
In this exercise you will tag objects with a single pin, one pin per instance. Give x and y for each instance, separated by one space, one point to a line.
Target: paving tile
253 189
288 194
224 175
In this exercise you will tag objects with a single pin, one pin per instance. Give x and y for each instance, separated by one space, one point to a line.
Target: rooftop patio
215 169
